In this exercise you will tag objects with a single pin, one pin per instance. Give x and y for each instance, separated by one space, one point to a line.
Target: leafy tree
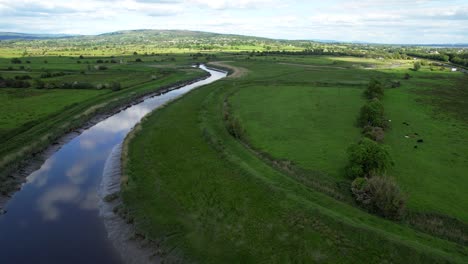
367 158
417 65
374 89
372 114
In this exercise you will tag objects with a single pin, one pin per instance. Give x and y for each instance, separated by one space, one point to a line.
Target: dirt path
237 71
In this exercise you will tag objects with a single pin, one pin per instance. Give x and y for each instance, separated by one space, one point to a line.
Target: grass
312 126
21 106
206 197
32 118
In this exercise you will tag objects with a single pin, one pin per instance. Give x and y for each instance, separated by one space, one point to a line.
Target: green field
32 118
279 194
252 168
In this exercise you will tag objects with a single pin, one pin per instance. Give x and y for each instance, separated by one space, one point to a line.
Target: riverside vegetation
308 152
275 178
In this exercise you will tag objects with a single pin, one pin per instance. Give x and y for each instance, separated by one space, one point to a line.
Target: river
54 218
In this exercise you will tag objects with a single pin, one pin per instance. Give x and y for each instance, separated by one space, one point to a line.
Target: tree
374 89
372 114
366 159
417 65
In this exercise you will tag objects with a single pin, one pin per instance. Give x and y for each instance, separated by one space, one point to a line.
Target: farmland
62 95
256 167
270 150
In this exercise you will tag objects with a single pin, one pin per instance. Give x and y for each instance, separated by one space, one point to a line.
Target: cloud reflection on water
48 203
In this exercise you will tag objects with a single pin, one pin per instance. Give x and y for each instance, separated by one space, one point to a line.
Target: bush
138 60
367 158
115 86
417 65
375 133
39 84
16 61
395 84
407 76
374 89
23 77
234 127
372 114
13 83
380 195
50 75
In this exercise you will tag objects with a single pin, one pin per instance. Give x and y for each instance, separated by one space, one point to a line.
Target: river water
54 218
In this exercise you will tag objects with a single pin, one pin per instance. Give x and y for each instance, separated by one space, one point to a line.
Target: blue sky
379 21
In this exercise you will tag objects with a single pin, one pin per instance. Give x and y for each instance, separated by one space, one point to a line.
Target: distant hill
176 37
26 36
156 39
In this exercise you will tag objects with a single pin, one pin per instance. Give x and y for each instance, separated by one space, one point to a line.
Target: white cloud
227 4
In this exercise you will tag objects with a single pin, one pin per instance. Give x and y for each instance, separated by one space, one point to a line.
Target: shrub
234 127
374 89
23 77
115 86
372 114
14 83
359 188
16 61
367 158
375 133
407 76
395 84
417 65
138 60
380 195
39 84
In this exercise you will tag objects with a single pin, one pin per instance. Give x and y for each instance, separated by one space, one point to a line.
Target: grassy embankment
206 196
33 118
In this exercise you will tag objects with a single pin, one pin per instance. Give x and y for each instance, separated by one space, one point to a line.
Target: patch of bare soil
238 72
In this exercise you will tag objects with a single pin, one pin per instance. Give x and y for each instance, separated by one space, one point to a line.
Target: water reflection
48 203
54 218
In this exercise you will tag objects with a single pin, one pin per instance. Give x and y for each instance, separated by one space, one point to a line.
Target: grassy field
205 196
33 118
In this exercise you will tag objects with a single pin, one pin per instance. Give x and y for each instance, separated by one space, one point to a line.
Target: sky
376 21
